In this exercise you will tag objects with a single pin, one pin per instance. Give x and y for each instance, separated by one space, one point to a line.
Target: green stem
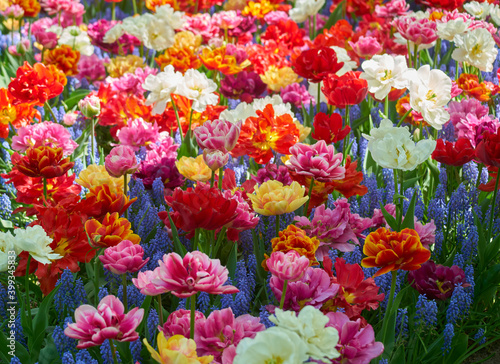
437 49
188 133
221 176
51 112
96 279
415 57
311 186
125 188
45 189
212 179
386 106
409 54
27 288
134 4
113 11
346 140
113 348
124 282
277 226
404 117
195 239
401 200
92 133
283 294
160 310
493 203
193 311
177 117
318 101
314 27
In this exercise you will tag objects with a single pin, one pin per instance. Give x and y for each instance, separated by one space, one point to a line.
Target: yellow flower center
387 75
275 360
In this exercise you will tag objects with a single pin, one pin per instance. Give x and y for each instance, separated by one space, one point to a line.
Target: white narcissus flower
477 48
478 10
383 72
303 9
430 92
35 241
309 325
392 147
198 87
6 249
448 30
162 86
274 345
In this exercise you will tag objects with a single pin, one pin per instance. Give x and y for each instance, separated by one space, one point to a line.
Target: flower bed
249 182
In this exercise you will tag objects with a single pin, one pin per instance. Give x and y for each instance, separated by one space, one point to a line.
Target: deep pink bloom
356 344
138 133
13 11
243 86
218 134
125 257
298 95
274 172
94 326
274 17
178 323
121 160
201 24
194 273
378 219
44 134
313 289
131 83
91 68
96 32
426 233
289 266
245 218
437 281
418 31
144 282
334 228
215 158
366 47
221 330
52 7
163 168
318 161
227 19
392 9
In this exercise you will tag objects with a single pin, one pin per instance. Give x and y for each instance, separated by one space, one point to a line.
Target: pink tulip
318 161
94 326
218 134
125 257
178 323
90 106
356 343
290 266
121 160
215 158
366 47
194 273
144 282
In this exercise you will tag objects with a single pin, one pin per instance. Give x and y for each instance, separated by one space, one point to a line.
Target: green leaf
335 16
18 349
233 258
74 98
409 222
49 352
40 324
460 345
391 221
181 249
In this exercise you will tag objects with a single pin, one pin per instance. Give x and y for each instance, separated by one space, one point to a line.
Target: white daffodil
303 9
162 86
451 28
274 345
430 92
477 48
392 147
310 326
198 87
35 241
383 72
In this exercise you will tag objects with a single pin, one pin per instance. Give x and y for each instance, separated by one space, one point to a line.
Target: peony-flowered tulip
215 159
43 162
346 90
111 231
109 321
179 323
144 282
488 149
384 72
35 241
125 257
477 48
289 266
272 198
318 161
316 63
194 273
218 134
121 160
176 349
90 106
95 175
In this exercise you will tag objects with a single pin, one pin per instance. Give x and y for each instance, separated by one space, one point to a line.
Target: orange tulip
112 231
43 162
391 250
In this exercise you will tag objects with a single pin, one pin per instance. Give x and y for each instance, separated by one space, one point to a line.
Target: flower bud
121 160
215 159
90 106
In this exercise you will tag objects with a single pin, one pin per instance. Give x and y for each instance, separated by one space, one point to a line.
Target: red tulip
315 64
345 90
453 154
329 128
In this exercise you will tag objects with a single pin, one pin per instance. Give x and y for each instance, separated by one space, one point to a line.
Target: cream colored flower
383 72
277 78
274 345
194 169
77 39
303 9
35 241
244 110
430 92
95 175
477 48
6 250
309 325
198 87
478 10
342 56
392 147
162 86
273 198
451 28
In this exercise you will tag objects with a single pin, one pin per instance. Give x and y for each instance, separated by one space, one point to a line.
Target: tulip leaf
181 249
391 221
40 324
74 98
19 350
409 222
231 262
335 16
